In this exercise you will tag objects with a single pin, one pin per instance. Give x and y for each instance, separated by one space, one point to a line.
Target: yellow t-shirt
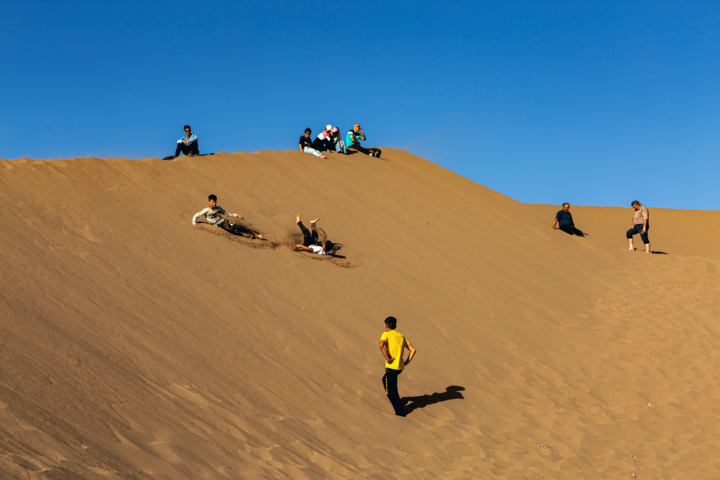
395 341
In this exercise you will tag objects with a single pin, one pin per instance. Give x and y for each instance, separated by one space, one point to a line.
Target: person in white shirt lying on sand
214 216
310 240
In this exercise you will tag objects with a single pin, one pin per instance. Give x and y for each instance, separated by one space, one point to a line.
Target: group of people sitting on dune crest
330 140
216 215
640 224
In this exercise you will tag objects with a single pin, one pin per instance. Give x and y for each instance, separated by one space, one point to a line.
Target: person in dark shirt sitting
306 144
567 225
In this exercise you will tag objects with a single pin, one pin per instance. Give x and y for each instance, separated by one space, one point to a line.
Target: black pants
237 229
186 149
320 145
638 229
309 238
367 151
390 384
569 229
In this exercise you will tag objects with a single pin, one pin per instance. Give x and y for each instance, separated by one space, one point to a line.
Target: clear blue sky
589 102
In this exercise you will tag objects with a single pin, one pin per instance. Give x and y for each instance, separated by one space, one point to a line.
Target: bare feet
191 154
323 156
297 220
314 221
259 236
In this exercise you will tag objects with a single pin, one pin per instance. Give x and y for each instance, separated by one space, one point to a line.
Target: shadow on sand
451 393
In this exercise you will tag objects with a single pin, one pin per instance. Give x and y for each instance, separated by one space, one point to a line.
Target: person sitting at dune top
188 144
306 144
310 240
567 224
322 141
214 216
352 140
336 142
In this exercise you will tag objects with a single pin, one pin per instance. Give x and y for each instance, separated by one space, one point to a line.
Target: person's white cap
328 128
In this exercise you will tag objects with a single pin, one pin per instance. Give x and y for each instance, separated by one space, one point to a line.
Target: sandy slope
136 346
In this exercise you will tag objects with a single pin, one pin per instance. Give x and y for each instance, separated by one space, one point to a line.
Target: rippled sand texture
136 346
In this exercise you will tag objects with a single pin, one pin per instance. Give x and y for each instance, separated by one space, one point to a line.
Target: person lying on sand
352 140
567 224
213 216
310 240
306 144
641 225
392 344
187 144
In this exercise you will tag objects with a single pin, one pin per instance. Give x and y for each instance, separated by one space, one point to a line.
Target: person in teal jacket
353 138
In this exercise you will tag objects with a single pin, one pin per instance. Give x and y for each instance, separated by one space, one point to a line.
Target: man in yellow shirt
392 345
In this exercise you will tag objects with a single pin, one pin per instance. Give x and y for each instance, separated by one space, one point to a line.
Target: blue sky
593 103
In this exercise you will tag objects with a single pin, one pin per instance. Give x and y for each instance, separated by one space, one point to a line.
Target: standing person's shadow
451 393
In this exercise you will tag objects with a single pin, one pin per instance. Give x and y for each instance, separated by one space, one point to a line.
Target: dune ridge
137 346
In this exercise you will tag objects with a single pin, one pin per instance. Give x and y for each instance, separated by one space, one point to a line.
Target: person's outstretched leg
307 238
360 149
313 226
237 229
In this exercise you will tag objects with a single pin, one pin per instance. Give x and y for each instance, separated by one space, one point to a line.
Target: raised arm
412 353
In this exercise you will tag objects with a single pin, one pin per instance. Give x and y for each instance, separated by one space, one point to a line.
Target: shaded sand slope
136 346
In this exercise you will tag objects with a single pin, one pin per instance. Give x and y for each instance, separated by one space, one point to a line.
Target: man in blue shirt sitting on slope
187 144
567 224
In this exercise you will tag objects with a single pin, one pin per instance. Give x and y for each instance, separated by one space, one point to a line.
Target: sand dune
137 346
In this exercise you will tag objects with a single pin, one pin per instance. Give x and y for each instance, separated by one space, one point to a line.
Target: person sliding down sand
392 345
310 240
213 215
